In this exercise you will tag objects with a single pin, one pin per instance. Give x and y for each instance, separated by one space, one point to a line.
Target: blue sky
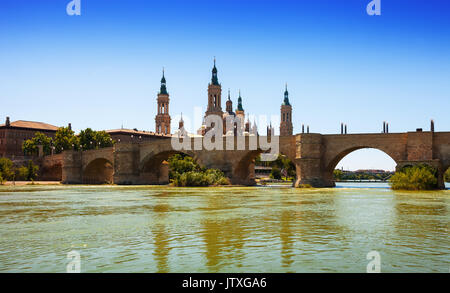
102 69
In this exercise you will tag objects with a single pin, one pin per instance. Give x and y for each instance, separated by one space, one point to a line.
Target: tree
87 139
103 139
30 146
338 174
32 171
65 139
90 139
6 169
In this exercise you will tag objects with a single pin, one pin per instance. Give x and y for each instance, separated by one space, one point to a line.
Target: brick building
13 134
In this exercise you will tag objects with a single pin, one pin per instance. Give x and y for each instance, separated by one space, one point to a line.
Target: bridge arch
98 171
244 169
343 153
340 155
154 169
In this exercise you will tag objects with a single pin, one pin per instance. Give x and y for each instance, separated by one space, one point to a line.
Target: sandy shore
21 183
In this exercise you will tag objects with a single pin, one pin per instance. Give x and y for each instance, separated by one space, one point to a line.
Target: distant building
371 171
134 135
13 134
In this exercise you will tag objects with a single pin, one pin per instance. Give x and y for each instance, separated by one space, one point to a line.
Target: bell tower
286 116
162 119
214 95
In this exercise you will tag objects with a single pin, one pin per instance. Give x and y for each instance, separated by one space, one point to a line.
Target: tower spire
286 97
214 79
163 89
239 107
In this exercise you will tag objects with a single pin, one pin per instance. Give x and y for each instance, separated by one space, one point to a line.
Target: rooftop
32 125
135 132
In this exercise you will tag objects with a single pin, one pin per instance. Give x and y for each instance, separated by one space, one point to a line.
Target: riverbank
22 183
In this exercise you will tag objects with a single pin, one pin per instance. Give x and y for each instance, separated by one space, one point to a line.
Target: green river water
224 229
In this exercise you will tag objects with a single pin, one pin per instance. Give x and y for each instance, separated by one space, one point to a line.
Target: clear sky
102 69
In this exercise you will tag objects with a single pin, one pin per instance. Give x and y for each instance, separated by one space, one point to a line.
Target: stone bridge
314 155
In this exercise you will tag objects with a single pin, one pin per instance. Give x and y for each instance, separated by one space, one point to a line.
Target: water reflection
223 232
161 229
160 234
287 237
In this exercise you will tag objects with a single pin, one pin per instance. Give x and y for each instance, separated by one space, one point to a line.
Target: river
224 229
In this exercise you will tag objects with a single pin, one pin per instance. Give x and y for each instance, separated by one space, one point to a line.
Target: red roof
32 125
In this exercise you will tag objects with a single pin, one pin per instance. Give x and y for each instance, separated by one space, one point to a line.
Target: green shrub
447 175
304 186
192 178
275 173
2 181
27 173
184 171
22 173
419 177
32 169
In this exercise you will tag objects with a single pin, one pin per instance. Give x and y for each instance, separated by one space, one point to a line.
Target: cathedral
234 122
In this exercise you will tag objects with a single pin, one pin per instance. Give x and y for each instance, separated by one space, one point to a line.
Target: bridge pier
309 161
71 170
309 171
126 164
247 180
441 181
158 176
